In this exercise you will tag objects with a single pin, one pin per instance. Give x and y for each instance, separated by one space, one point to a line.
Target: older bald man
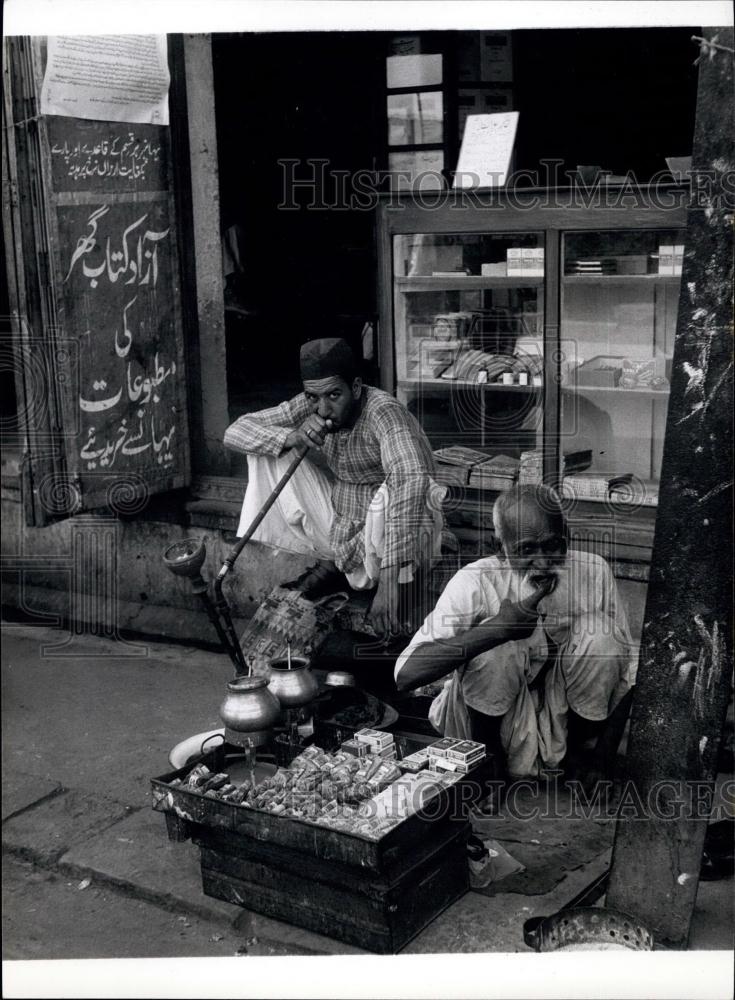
535 641
363 501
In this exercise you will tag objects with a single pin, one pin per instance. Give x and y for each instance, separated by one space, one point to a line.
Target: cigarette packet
440 748
442 764
374 737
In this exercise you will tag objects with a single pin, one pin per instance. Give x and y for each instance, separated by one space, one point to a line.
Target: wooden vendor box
376 891
381 913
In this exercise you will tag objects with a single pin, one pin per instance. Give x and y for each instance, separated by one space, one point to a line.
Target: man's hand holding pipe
311 434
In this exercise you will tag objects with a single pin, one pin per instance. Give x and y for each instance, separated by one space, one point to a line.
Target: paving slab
713 917
137 855
477 923
48 915
548 816
21 789
46 831
546 864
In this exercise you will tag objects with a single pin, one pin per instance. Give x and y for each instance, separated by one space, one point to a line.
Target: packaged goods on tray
454 755
326 788
375 738
441 747
415 762
354 748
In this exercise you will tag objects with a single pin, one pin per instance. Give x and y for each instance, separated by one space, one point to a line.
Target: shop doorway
293 274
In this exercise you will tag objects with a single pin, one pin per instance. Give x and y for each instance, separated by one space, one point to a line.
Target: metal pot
296 687
587 928
249 711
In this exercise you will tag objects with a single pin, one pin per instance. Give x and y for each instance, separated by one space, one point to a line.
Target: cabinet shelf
621 279
430 283
643 393
447 383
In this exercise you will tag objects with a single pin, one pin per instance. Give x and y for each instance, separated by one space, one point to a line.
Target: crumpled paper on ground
495 865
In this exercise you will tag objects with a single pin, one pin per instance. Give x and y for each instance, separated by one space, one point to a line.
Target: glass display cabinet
468 314
538 332
619 301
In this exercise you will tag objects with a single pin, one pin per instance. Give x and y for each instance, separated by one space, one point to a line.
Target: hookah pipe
221 607
185 559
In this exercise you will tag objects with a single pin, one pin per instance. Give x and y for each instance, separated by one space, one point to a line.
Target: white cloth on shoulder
301 518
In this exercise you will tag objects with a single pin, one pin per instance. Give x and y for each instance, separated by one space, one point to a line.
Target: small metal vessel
292 682
249 711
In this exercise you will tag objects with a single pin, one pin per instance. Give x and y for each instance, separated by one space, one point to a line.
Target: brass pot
249 711
296 687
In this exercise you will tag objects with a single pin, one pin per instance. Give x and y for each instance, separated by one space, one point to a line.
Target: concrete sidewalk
89 722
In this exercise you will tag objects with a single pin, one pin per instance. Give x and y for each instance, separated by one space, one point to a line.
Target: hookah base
253 739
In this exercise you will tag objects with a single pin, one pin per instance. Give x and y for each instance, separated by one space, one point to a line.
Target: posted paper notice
117 78
487 147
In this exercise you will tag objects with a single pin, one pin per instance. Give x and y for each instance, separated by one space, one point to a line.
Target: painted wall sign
118 301
106 156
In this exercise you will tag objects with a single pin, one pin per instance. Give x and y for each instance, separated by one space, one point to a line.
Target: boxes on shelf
451 326
435 356
636 492
526 261
648 374
531 467
599 372
532 262
497 473
460 455
591 266
494 270
592 486
670 258
451 475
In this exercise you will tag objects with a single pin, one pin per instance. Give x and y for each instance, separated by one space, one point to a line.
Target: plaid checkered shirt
386 444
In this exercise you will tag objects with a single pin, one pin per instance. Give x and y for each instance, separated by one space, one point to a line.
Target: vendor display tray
446 809
374 912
